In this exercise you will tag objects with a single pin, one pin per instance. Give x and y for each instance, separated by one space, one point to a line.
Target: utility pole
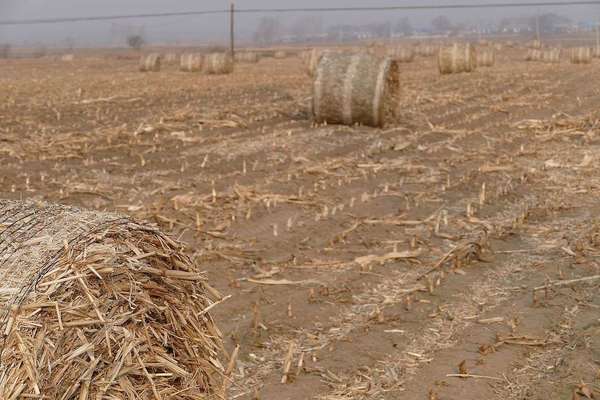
232 30
537 27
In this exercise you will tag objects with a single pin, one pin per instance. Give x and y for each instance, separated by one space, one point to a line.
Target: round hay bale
457 58
280 55
171 58
510 44
247 57
218 64
97 306
535 44
312 59
581 55
596 52
425 50
486 57
191 62
355 89
68 57
402 54
150 63
551 56
533 55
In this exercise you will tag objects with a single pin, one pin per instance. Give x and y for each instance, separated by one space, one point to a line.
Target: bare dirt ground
361 263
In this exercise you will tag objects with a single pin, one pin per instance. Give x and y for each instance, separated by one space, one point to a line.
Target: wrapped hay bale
280 55
218 64
150 63
98 306
402 54
486 57
581 55
457 58
247 57
551 56
191 62
68 57
533 55
355 89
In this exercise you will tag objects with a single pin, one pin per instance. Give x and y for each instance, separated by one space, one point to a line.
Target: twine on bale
457 58
191 62
581 55
218 64
150 63
96 305
355 89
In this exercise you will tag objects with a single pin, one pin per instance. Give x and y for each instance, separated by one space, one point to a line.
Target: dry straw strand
98 303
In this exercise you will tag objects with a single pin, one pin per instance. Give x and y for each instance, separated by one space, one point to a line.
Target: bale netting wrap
150 63
486 57
457 58
191 62
581 55
98 306
402 54
355 89
218 63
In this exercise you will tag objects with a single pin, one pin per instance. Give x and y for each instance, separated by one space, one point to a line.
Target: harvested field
451 256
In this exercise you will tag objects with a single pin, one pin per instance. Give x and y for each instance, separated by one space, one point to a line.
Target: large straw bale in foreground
191 62
150 63
457 58
218 64
355 89
98 306
581 55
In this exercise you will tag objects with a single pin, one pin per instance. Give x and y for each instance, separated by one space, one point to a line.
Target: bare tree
136 41
405 27
268 30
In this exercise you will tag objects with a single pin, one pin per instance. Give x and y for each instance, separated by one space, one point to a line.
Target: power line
299 10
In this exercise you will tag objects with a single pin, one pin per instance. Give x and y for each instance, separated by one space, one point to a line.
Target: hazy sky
214 28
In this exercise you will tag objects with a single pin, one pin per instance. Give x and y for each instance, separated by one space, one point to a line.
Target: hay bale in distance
355 89
191 62
171 58
596 52
402 54
218 64
68 57
425 50
93 304
551 56
486 57
248 57
280 55
581 55
535 44
150 63
533 55
457 58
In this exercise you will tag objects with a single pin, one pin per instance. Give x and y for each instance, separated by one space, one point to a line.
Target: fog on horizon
214 28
